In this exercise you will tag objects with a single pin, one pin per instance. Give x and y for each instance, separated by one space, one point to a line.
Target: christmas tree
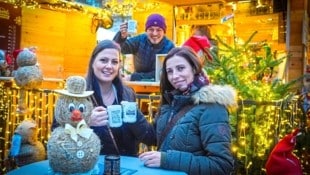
268 107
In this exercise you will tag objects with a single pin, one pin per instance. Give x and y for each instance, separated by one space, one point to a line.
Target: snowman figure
27 76
73 147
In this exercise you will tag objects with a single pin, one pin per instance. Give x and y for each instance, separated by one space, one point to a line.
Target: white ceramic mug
129 111
115 115
132 26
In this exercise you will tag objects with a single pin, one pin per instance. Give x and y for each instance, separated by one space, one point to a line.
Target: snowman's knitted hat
75 87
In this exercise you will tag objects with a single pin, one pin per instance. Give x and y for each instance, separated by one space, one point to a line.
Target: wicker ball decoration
68 152
26 58
31 149
28 75
69 157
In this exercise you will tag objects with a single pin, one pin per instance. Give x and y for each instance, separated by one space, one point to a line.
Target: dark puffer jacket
199 143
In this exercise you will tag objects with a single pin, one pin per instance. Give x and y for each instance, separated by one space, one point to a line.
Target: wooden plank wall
63 39
79 43
298 59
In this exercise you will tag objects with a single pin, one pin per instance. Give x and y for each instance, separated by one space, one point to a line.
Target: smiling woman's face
106 65
180 73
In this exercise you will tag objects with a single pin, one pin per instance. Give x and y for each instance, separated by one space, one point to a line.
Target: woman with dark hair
104 79
192 127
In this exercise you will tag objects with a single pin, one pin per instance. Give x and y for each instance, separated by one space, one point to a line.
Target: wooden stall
64 38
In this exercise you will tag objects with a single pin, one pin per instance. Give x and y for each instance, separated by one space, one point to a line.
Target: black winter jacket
199 143
129 135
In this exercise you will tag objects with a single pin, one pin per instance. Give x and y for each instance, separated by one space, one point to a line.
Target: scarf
200 80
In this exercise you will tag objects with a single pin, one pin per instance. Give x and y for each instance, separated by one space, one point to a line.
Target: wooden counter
143 86
47 83
147 96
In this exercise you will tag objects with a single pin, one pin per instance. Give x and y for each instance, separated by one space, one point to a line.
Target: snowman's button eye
82 107
71 107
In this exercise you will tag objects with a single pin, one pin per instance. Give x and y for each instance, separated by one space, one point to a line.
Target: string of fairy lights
257 125
40 107
104 8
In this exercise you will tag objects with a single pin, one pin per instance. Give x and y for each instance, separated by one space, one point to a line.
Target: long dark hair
91 79
186 53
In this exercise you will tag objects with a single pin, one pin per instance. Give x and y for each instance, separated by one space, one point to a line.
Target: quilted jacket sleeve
215 138
129 46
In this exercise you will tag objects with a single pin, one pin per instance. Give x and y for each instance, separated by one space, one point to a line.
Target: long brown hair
201 30
188 54
91 79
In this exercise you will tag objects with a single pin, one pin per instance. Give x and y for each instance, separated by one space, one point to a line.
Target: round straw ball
69 157
26 58
28 77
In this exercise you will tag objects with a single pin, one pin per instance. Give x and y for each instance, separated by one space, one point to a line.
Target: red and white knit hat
199 44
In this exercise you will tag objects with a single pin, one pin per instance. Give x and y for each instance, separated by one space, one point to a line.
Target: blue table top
129 165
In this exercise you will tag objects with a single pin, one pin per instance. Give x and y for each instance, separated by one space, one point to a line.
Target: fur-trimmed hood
224 95
203 129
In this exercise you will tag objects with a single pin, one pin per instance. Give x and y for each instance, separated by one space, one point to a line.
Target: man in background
144 47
